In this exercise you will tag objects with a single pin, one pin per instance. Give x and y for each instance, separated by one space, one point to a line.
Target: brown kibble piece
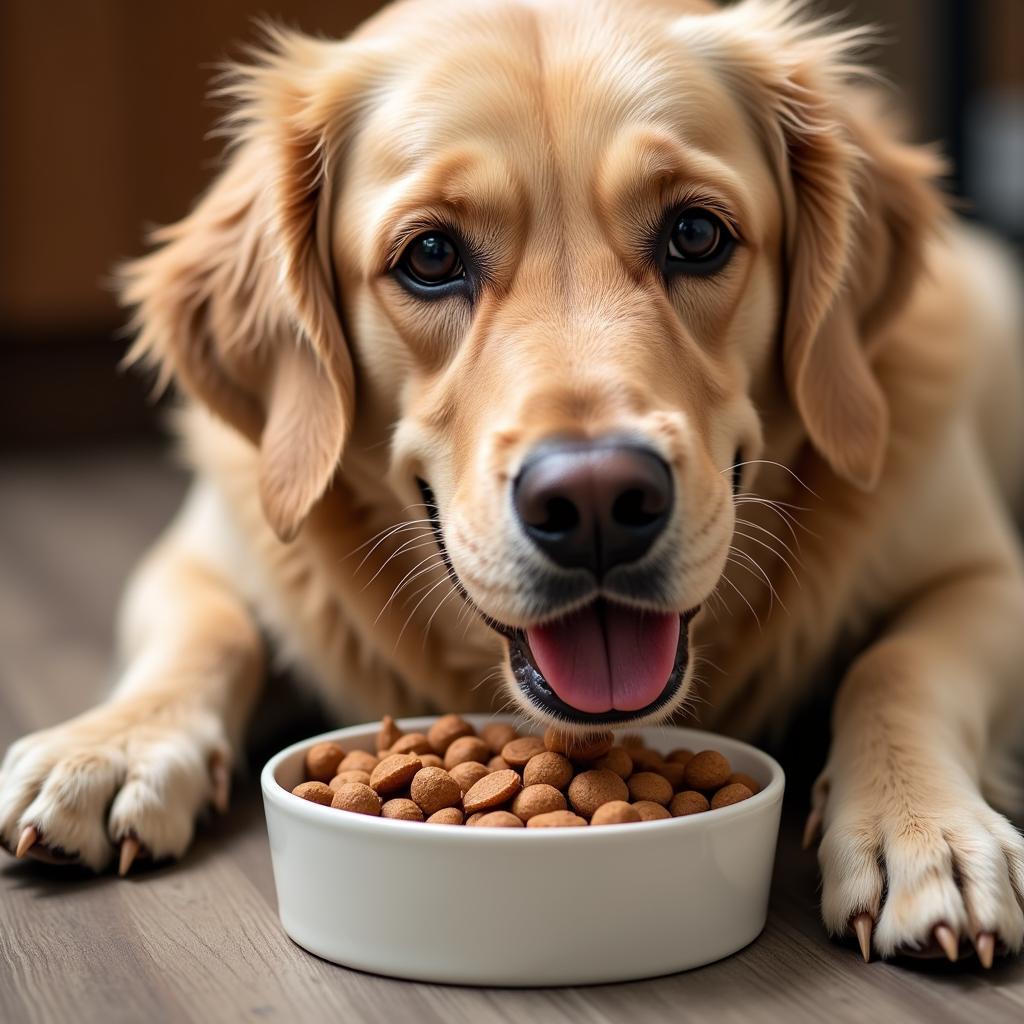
518 751
650 786
466 748
707 770
539 798
411 743
446 816
468 774
731 794
688 802
497 764
402 809
674 772
433 789
649 811
747 780
322 760
394 772
646 760
474 818
679 756
497 734
446 730
556 819
352 776
616 812
388 734
498 819
595 787
356 797
358 761
616 760
431 760
492 791
579 748
548 768
315 792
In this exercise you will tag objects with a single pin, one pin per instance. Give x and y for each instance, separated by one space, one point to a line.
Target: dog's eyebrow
643 166
474 189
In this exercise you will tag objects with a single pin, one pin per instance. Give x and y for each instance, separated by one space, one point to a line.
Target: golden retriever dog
606 360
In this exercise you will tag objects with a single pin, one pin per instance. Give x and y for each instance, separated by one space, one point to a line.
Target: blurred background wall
105 124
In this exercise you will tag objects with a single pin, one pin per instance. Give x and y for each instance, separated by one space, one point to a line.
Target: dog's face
579 251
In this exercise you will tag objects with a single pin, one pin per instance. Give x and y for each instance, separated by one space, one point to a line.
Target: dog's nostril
637 507
561 516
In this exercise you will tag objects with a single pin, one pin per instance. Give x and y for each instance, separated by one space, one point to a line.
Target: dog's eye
431 260
698 242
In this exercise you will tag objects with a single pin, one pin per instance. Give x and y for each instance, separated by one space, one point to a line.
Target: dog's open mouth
605 662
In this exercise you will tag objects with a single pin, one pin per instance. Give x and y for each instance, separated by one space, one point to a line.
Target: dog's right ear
237 303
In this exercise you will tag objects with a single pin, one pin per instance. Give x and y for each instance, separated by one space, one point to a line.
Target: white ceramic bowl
502 906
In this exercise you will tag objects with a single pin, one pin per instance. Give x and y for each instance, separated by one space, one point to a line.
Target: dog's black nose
593 504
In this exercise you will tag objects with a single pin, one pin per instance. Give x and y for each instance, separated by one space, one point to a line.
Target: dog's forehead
536 83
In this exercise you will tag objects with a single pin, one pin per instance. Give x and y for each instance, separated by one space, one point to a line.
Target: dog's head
566 269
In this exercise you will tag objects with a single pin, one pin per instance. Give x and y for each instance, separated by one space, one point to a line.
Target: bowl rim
327 817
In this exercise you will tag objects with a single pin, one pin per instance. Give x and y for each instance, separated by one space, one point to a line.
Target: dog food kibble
579 748
354 796
468 774
746 780
496 735
322 760
498 819
615 812
592 788
539 798
446 730
492 791
315 791
446 816
556 819
453 775
518 752
679 756
688 802
466 748
402 809
394 772
649 786
649 811
616 760
358 761
411 743
549 769
731 794
707 770
434 789
675 773
388 734
353 776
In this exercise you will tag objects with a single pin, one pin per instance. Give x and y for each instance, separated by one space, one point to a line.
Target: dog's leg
133 773
909 838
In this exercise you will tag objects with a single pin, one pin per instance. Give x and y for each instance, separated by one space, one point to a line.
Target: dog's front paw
917 872
131 775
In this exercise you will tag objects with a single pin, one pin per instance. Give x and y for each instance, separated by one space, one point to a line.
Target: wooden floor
200 941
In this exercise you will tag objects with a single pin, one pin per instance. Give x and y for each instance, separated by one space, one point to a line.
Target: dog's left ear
858 207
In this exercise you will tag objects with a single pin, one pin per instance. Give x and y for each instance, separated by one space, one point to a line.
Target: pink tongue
607 656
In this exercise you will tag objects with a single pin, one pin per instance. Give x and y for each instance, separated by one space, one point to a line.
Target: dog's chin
541 698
